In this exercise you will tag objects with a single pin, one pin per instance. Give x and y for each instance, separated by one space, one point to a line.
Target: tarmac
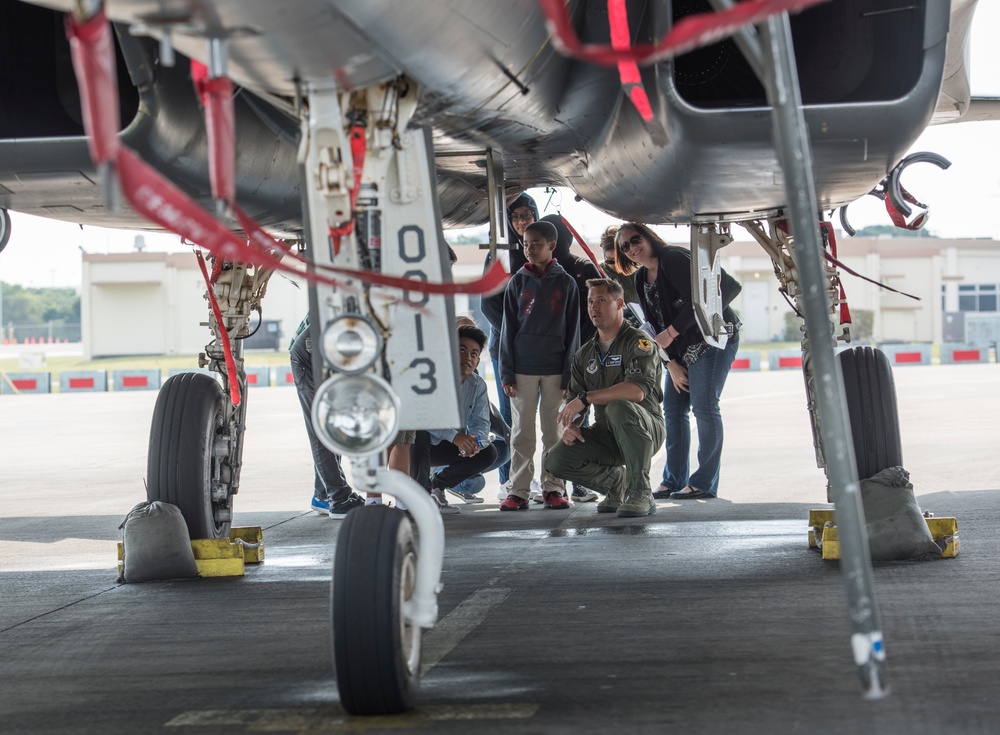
710 616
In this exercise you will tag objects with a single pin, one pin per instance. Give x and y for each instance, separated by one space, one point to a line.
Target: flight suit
624 434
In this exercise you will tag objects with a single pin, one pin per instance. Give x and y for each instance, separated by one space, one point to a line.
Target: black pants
330 482
424 455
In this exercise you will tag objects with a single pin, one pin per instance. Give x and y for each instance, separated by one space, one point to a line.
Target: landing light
356 415
350 344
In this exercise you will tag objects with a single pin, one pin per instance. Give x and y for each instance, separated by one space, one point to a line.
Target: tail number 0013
427 375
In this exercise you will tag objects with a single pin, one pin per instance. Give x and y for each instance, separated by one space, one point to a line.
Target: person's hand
466 443
570 411
572 435
678 375
666 337
510 391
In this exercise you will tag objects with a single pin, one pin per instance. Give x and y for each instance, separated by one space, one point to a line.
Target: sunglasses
627 245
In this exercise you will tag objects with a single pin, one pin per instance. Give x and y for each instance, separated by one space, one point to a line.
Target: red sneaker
514 503
555 500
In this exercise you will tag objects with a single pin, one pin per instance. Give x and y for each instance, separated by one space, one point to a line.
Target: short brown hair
612 286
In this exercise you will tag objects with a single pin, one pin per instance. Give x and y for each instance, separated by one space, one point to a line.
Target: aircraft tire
376 653
872 408
4 228
187 419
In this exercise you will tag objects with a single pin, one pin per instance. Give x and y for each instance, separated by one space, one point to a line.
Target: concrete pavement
708 616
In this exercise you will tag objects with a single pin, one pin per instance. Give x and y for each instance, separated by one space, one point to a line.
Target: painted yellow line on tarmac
436 644
442 638
334 720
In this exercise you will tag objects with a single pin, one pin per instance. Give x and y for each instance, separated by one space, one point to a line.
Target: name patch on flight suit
613 361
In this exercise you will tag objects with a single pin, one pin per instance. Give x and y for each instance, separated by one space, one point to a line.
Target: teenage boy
540 334
455 452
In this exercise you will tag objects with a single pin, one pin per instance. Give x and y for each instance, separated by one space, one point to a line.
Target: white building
155 304
952 278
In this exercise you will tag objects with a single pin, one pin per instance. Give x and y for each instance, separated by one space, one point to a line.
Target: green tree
39 305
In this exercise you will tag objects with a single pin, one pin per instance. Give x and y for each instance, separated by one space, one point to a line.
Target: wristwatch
582 395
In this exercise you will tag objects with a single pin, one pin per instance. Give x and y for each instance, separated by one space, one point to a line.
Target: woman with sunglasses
696 372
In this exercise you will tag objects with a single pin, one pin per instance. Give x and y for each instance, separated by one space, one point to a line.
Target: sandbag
156 544
896 528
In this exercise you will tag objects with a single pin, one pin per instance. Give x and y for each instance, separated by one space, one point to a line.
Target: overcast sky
964 200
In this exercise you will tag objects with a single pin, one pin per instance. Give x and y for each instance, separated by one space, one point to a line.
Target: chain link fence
54 332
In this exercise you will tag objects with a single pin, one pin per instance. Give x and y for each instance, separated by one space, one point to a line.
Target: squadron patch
592 366
645 345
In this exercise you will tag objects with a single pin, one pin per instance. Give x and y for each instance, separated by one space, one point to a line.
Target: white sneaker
536 495
583 494
505 490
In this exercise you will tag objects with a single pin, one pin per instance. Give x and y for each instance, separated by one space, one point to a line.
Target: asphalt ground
709 616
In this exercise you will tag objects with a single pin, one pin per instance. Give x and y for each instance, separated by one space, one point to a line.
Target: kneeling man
619 373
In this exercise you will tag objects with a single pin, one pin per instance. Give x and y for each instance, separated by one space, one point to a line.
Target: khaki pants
624 441
536 395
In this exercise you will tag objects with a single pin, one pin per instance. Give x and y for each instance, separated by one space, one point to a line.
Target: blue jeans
706 379
503 403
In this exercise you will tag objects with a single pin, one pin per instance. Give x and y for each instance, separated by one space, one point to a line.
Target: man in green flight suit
618 372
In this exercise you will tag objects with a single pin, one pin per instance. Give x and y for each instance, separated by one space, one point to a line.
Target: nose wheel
376 651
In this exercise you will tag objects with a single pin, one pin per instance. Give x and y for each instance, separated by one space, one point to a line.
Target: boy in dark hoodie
540 335
521 212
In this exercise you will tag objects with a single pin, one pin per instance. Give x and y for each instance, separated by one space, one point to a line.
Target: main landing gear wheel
375 651
871 406
191 448
4 228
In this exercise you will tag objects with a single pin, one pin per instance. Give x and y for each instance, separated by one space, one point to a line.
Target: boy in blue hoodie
540 335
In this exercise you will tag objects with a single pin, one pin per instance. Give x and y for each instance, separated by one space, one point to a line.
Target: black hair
474 333
452 255
545 229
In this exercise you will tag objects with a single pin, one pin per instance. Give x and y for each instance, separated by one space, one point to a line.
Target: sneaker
341 509
638 503
513 502
536 494
615 497
467 490
555 500
437 494
583 494
505 490
320 505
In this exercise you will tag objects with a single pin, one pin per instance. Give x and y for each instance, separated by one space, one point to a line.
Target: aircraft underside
361 128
